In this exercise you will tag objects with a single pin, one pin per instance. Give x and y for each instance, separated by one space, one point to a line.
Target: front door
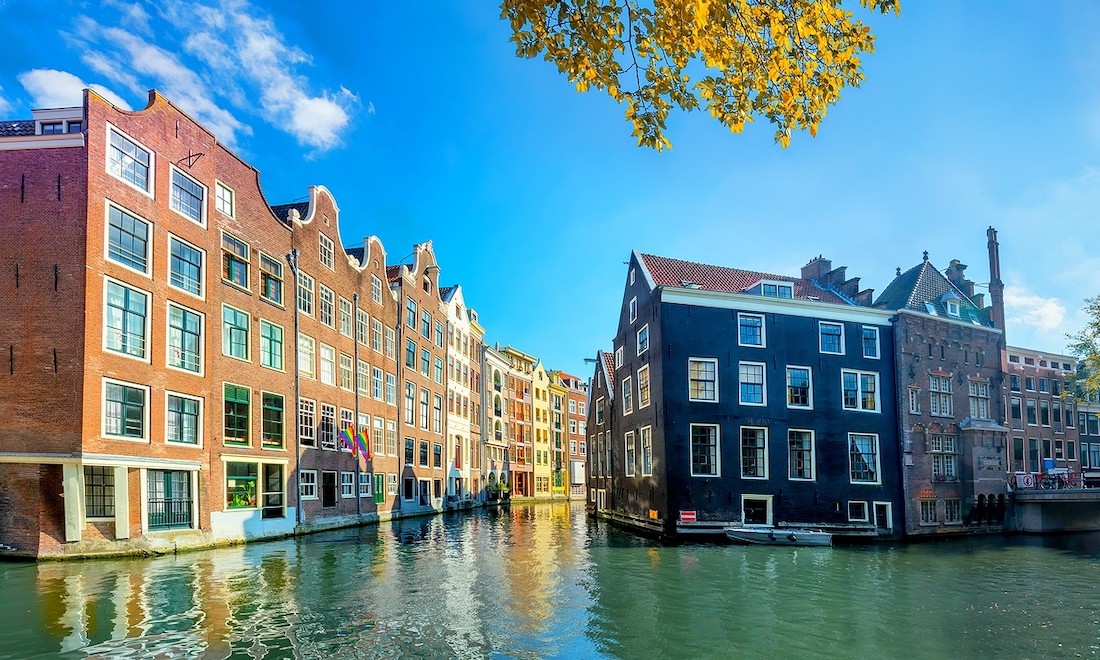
328 490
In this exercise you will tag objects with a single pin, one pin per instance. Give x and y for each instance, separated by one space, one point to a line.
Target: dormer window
953 308
776 290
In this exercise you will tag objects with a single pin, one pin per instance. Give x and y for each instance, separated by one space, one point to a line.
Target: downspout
355 342
293 259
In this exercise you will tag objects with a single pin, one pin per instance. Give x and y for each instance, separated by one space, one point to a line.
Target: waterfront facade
1045 434
745 397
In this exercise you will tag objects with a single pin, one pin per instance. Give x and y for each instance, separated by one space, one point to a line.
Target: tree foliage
1085 345
786 60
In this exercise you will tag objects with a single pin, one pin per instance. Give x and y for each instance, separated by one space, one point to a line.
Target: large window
185 266
307 484
126 319
99 491
750 330
628 395
423 453
979 400
863 458
326 306
328 365
860 390
127 239
124 410
410 313
307 356
800 453
235 325
235 258
705 452
799 388
376 289
184 419
327 429
630 448
237 403
307 422
754 452
273 421
326 251
128 161
306 286
870 342
647 450
184 339
345 317
945 459
187 197
271 345
751 382
643 387
376 335
271 279
643 339
702 379
240 485
940 402
831 338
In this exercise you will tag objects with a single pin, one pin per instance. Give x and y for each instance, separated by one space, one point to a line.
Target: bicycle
1057 481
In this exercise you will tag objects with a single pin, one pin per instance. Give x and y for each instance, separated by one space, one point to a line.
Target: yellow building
559 458
540 405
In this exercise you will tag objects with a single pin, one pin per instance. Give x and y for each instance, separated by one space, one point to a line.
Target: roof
16 128
925 289
358 252
609 369
678 273
282 211
393 273
445 292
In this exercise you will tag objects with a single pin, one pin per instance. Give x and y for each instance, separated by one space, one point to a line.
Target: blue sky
423 123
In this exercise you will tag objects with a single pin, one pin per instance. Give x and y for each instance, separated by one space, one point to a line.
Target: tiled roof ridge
758 274
669 271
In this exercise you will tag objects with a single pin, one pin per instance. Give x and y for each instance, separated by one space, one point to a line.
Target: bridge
1048 511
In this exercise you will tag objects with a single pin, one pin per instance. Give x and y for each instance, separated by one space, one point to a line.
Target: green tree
786 60
1085 344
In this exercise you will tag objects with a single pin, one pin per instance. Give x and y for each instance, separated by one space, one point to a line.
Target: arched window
496 406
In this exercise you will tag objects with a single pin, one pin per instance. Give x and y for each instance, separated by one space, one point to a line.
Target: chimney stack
996 286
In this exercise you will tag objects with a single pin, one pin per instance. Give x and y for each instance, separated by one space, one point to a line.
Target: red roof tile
678 273
609 363
393 272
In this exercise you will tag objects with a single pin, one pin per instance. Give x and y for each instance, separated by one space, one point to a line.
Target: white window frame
717 450
103 410
878 342
219 188
763 384
821 326
866 511
326 368
633 309
202 339
628 395
307 484
149 227
859 390
326 299
307 355
741 454
643 402
201 295
248 335
173 171
643 330
260 336
348 486
305 293
813 455
150 188
618 357
878 459
703 360
646 449
914 400
763 330
326 251
147 325
366 484
198 430
376 289
630 453
787 386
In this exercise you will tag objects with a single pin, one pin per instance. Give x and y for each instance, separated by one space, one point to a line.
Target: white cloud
133 15
1026 308
5 105
50 88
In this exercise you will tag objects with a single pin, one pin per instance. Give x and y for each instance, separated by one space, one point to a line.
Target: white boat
767 535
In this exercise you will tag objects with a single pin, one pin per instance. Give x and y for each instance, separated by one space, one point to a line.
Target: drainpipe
355 366
292 258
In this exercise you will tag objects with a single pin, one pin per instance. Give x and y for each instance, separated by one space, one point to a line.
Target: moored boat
767 535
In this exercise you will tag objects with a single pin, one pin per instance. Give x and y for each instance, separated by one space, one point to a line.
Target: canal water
543 581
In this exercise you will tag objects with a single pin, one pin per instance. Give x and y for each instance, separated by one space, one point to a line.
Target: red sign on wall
687 516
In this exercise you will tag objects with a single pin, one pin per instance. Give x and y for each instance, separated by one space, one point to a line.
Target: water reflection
543 581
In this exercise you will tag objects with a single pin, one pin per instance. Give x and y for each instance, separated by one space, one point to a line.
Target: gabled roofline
947 319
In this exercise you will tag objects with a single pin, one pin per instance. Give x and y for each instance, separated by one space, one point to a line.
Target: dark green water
543 581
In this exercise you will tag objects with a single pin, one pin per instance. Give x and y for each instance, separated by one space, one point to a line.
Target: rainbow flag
363 443
346 436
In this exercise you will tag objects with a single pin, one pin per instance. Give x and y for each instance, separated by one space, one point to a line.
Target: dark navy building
746 397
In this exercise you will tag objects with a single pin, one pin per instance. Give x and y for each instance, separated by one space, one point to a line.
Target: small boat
767 535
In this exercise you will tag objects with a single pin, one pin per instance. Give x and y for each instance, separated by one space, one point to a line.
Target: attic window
688 284
1013 358
776 290
953 308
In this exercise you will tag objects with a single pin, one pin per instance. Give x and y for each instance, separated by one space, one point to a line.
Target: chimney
956 275
817 267
996 286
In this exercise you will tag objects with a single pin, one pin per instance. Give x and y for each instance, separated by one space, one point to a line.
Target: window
127 239
870 342
632 275
1032 418
857 511
940 402
914 400
307 356
184 339
704 450
928 512
702 380
347 372
307 422
236 423
183 420
235 259
124 410
750 330
1044 412
979 400
305 293
945 459
572 407
376 335
799 388
423 453
425 362
647 450
326 306
271 279
952 511
775 290
424 397
1044 385
376 289
439 334
751 382
1014 382
426 324
272 427
618 357
633 309
860 390
391 343
185 266
391 389
223 198
599 410
629 461
831 338
235 324
362 326
800 453
643 339
754 452
127 314
307 484
327 430
953 308
271 345
376 383
326 250
362 378
863 458
410 353
410 404
128 161
628 396
437 455
99 491
188 196
1058 417
328 365
643 387
1029 383
410 313
438 372
437 413
240 485
347 484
